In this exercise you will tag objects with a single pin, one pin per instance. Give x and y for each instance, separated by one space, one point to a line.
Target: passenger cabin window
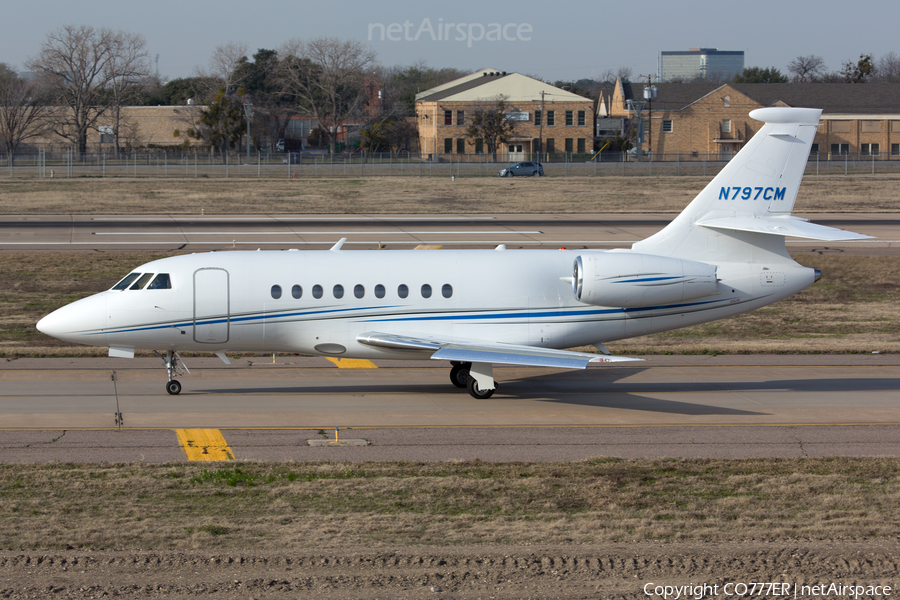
317 291
141 282
446 290
276 291
426 291
296 292
338 291
379 291
402 290
160 282
359 291
123 285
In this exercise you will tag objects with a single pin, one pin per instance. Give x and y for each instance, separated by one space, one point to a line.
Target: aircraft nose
81 322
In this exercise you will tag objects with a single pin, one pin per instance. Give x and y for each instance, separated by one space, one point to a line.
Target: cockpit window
123 285
160 282
141 282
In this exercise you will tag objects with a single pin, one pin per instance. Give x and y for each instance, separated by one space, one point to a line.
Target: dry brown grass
398 195
283 506
852 309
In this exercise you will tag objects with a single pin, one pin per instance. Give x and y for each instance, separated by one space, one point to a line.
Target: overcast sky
562 39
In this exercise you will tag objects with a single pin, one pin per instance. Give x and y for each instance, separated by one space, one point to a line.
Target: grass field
301 505
546 195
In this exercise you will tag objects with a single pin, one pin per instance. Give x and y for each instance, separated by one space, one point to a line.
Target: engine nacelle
634 280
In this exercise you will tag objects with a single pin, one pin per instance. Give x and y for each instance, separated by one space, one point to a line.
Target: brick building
546 117
689 120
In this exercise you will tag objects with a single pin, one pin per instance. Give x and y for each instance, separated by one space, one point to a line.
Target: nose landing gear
173 369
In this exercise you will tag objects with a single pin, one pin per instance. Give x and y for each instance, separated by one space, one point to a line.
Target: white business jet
723 255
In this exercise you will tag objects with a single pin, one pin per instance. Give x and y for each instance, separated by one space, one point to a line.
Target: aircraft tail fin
750 200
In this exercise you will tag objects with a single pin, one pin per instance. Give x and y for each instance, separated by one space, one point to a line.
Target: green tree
860 71
491 124
759 75
221 123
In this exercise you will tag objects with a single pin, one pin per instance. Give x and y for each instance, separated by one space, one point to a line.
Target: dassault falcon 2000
723 255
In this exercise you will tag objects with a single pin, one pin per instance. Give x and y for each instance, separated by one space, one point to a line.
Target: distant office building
703 63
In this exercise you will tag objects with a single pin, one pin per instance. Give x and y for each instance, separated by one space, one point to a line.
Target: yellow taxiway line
353 363
204 444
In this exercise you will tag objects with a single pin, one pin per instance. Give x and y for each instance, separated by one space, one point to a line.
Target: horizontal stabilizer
783 225
487 352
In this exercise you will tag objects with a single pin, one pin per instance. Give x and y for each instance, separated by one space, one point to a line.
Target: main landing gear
477 378
171 360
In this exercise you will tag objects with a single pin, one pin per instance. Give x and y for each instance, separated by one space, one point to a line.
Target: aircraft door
211 306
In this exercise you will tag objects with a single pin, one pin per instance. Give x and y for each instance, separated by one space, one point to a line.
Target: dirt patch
503 572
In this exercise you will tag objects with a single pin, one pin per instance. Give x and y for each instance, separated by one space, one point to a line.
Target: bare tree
128 71
22 109
224 67
78 61
491 123
888 69
806 69
326 76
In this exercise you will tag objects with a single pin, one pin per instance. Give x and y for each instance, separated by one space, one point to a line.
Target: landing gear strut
173 370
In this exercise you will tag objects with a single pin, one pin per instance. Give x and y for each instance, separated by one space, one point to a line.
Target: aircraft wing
487 352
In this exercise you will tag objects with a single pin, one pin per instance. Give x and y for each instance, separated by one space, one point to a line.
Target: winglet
339 245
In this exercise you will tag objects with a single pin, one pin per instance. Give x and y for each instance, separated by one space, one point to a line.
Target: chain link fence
197 164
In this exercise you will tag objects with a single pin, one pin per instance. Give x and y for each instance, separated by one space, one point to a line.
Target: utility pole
649 95
248 112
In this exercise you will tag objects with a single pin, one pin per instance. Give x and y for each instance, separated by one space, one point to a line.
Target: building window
895 149
296 292
460 145
581 119
537 117
536 145
460 117
569 146
448 145
569 118
448 117
726 101
479 146
667 126
551 118
839 149
276 291
550 146
814 149
868 149
726 125
580 145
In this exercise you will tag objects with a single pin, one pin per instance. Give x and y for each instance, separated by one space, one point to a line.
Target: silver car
522 169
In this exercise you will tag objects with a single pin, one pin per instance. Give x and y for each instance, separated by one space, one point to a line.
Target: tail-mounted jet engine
634 280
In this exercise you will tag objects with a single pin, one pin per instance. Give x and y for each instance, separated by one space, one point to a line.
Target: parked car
522 169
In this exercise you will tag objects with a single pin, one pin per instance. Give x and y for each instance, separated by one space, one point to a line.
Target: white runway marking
332 233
